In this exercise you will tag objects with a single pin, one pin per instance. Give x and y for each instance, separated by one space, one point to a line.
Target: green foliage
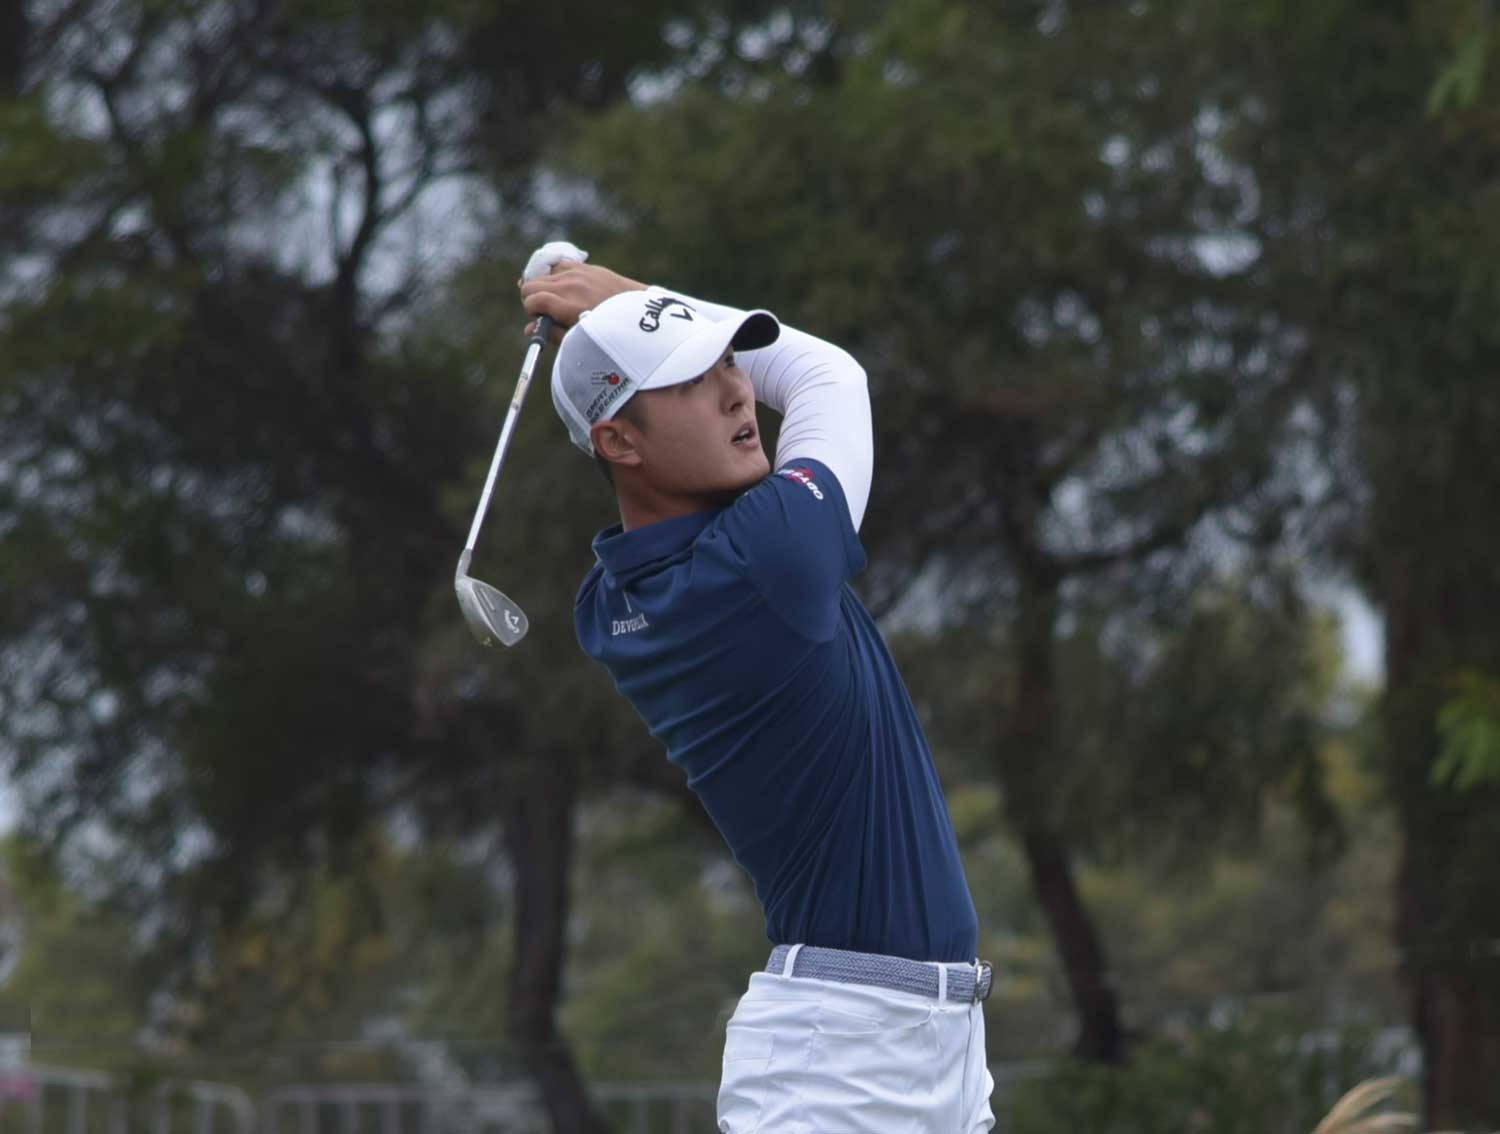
81 974
1252 923
1261 926
38 160
1216 717
232 488
674 967
1470 728
416 938
1179 723
1460 82
1247 1076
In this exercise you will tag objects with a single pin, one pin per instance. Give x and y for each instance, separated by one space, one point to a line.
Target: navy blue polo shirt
737 638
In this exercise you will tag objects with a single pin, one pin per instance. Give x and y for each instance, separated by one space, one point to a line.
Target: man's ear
615 441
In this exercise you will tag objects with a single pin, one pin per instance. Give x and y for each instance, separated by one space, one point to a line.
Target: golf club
490 615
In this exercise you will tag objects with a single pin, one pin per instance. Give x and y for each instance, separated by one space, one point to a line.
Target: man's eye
729 359
693 381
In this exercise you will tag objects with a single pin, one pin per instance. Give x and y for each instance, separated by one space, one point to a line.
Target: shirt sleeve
824 401
792 537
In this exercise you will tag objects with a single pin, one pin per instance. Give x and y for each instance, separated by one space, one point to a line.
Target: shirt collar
624 554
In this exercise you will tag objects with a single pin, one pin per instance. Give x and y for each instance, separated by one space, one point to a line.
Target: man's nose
737 389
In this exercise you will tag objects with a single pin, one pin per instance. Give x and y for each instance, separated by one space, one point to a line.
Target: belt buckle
982 970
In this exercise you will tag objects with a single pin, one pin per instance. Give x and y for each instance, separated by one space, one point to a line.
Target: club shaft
523 382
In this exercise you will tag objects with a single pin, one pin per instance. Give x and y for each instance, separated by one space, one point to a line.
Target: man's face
698 440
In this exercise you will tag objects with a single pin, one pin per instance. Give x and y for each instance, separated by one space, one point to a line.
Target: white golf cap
641 340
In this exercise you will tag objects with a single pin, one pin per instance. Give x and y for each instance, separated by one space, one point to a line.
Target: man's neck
638 508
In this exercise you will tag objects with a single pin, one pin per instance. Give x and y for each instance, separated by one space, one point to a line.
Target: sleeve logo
803 477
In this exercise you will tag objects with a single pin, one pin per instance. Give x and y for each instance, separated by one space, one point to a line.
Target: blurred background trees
1175 317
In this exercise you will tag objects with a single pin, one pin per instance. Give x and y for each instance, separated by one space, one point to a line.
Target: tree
1377 193
234 472
1079 380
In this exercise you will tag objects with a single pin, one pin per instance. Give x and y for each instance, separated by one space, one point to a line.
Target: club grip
543 329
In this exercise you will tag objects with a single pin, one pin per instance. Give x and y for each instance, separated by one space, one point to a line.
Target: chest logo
618 626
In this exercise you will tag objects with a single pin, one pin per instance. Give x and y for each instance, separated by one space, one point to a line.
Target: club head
491 616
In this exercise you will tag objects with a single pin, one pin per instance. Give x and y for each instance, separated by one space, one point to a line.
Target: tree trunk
1448 941
1457 1016
1099 1034
539 837
1023 761
1447 926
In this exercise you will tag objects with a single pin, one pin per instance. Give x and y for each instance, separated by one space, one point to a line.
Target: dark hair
631 411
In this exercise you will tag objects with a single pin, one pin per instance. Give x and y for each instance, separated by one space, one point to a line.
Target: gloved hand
548 255
559 285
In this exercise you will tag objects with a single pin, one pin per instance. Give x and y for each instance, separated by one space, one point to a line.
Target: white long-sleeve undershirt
824 401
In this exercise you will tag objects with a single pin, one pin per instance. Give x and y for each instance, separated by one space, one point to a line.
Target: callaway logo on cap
651 320
641 340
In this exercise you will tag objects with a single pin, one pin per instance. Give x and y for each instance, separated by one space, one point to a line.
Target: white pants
806 1056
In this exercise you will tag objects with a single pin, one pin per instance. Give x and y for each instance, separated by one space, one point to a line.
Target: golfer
721 607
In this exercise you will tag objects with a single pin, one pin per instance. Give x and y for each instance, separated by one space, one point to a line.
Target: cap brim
698 354
757 329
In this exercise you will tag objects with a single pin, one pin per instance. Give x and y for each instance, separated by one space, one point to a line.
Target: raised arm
824 402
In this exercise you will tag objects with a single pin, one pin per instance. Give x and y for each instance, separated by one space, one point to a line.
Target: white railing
688 1107
207 1101
381 1108
32 1087
58 1100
